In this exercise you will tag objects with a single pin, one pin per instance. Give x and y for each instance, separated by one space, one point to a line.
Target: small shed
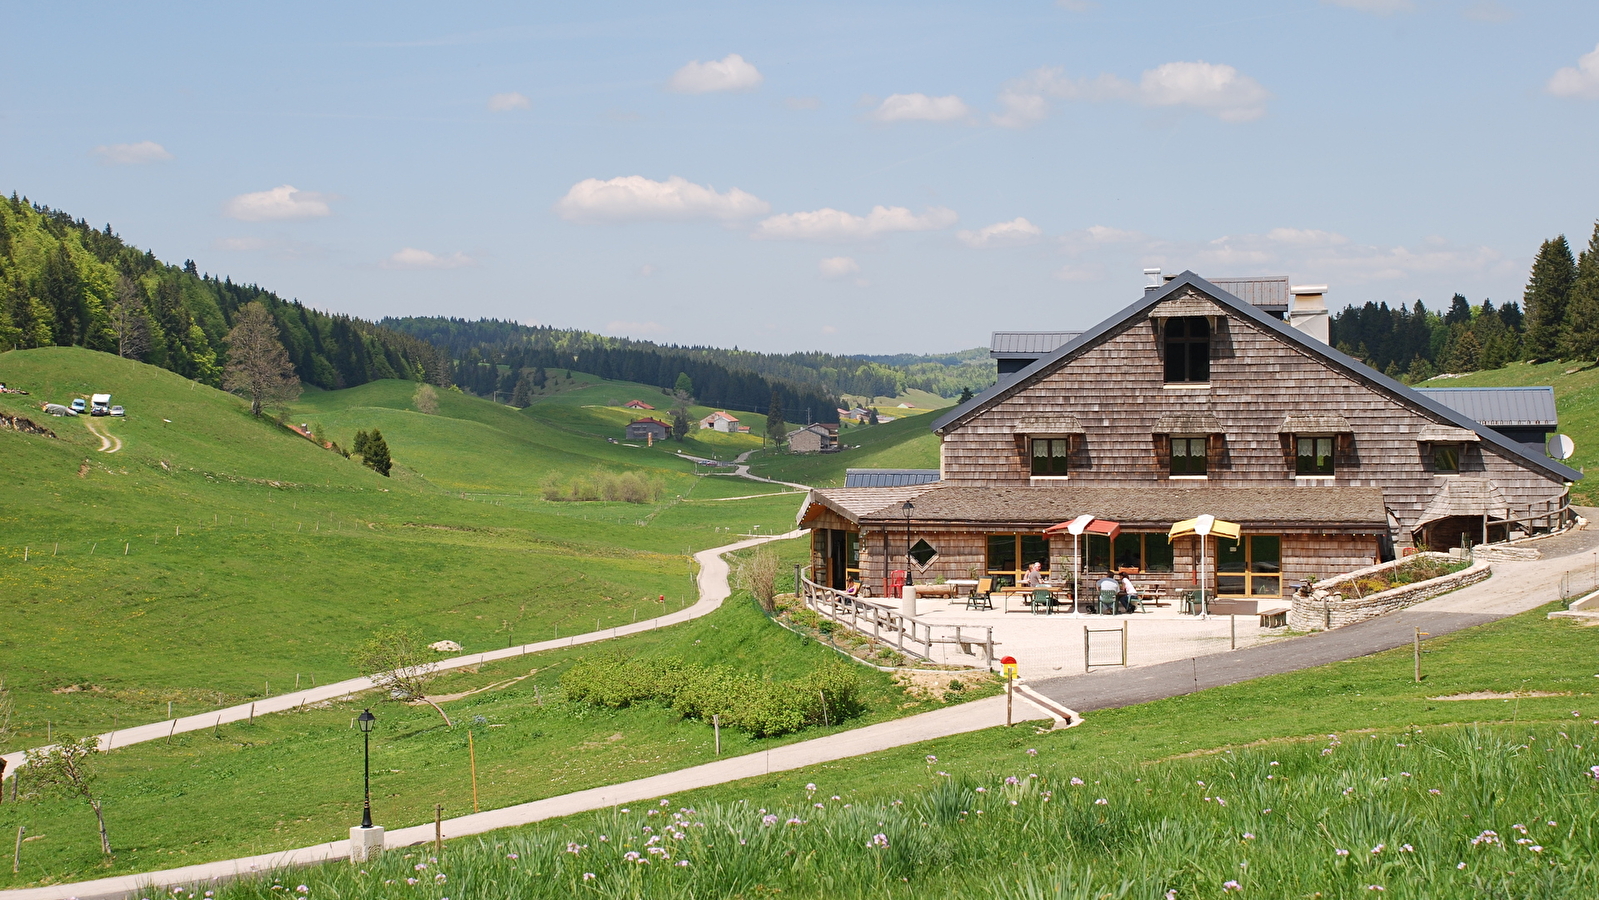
648 429
813 439
723 422
637 404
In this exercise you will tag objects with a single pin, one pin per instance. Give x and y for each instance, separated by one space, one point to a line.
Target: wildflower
1171 894
604 839
420 867
1460 865
1341 852
1034 775
574 848
1520 827
1266 812
931 759
410 881
624 809
879 841
1348 791
1014 803
1220 802
1406 848
820 806
1248 836
945 774
795 822
1274 763
439 878
1101 802
682 862
768 820
1487 837
1076 782
1032 751
1231 886
1012 781
1326 751
810 787
1405 774
1375 887
1434 791
512 856
1536 848
588 876
631 856
665 802
1594 771
1378 849
982 790
1551 823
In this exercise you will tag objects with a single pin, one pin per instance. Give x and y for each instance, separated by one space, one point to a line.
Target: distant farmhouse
637 404
1202 397
723 422
647 429
814 439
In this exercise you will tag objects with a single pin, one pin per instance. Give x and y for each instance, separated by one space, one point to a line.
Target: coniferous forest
1557 318
65 283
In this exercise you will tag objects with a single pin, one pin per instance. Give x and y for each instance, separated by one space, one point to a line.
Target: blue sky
849 177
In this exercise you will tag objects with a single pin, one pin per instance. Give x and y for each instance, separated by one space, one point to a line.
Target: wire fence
1582 580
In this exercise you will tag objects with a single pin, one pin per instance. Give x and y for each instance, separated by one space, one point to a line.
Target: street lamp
908 509
365 720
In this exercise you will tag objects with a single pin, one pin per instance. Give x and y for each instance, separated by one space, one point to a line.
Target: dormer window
1315 455
1189 455
1050 456
1446 459
1187 350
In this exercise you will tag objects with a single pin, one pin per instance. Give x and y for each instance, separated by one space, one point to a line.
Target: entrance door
1250 566
837 555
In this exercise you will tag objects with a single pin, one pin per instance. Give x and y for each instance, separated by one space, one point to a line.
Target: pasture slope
217 557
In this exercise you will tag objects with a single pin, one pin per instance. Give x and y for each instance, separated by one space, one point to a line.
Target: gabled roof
1248 312
854 503
648 420
1499 407
861 478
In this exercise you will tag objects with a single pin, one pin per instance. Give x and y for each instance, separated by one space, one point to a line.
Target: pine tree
359 445
774 420
376 454
1581 332
522 397
1459 311
966 394
1548 290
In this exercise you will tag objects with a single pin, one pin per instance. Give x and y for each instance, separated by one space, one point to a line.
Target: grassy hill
217 556
1576 399
905 443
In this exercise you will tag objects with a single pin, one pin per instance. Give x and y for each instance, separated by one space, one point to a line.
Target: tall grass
614 487
1463 811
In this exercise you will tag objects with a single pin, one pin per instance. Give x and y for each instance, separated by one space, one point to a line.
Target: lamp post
908 509
365 720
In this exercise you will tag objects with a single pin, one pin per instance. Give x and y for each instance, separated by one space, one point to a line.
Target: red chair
896 583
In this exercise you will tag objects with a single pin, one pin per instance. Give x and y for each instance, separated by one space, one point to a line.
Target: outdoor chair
1043 601
1107 603
979 597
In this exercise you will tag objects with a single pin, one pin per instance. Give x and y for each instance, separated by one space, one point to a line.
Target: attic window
1187 350
923 553
1050 456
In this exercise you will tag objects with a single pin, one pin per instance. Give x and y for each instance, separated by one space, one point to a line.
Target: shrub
613 487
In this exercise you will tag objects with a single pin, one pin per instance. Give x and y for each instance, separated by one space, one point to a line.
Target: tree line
493 358
66 283
1557 318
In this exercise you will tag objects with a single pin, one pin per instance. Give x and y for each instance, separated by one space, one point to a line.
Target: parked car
117 411
79 404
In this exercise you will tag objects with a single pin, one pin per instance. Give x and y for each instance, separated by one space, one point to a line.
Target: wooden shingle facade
1192 401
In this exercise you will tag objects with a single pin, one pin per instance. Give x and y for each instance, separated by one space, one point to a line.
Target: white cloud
139 154
1217 89
282 202
1581 80
508 101
921 108
730 73
634 198
834 225
1379 7
1001 234
412 258
836 267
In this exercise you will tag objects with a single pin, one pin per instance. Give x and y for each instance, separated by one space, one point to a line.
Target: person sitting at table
1034 576
1128 594
1108 587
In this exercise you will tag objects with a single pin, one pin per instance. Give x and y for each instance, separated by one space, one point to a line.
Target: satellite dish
1560 446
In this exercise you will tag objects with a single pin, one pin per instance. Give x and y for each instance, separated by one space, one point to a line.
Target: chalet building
648 429
723 422
637 404
1196 400
816 438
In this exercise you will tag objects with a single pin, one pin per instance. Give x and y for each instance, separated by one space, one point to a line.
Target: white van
100 405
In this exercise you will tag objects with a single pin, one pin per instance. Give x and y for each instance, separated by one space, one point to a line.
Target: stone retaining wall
1327 606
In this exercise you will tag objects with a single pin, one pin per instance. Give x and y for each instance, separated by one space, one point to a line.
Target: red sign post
1008 670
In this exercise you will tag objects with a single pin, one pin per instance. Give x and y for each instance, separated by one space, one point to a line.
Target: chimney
1154 280
1308 311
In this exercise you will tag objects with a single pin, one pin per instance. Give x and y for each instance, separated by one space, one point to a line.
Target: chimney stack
1308 311
1154 280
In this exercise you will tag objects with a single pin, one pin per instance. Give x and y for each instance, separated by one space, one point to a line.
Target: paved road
1515 587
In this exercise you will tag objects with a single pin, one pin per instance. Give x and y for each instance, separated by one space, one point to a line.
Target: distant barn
647 429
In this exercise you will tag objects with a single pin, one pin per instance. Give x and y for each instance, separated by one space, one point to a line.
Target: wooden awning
1191 305
1187 423
1447 434
1056 424
1323 424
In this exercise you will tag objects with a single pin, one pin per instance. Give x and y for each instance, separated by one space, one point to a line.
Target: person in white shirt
1129 593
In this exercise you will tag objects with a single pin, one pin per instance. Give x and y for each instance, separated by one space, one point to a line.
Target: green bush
761 707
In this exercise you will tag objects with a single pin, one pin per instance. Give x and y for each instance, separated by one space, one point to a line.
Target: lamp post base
365 843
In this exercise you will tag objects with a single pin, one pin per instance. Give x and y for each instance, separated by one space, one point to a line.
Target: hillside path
713 589
742 470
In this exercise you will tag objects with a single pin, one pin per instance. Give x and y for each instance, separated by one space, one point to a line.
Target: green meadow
905 443
217 557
